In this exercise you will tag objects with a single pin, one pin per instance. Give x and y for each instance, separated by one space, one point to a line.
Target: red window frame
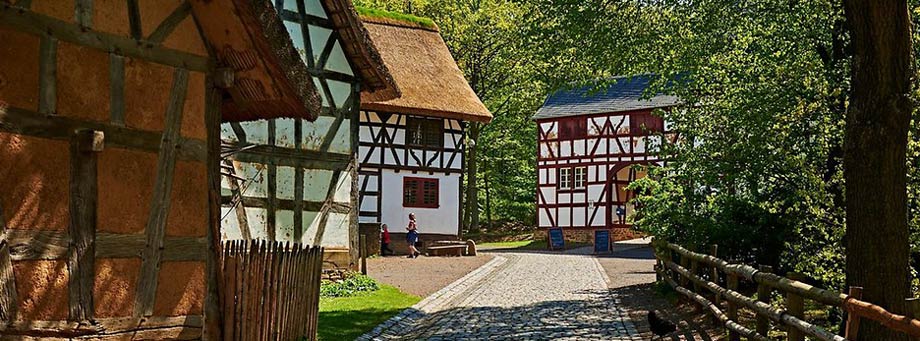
421 192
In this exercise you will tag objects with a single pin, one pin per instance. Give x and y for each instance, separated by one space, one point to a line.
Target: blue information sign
556 241
601 241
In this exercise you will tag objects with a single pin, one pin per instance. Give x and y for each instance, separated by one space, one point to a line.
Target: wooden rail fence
270 290
685 278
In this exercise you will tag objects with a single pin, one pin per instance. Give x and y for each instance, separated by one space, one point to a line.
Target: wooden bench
447 250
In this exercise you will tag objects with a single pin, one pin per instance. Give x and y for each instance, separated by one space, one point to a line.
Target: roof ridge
397 19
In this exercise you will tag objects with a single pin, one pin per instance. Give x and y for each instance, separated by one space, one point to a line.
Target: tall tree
875 155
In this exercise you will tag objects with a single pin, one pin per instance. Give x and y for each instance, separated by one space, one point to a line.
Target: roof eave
485 117
269 78
357 45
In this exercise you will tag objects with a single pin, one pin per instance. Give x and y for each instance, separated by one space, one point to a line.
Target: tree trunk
875 147
488 199
472 172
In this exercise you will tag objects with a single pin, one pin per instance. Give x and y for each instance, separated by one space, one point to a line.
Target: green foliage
376 13
346 318
353 284
491 42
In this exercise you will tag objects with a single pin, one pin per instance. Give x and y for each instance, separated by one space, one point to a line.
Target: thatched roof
269 78
357 45
427 75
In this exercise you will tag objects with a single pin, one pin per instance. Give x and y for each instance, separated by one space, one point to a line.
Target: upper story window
645 124
581 177
420 192
424 132
575 128
573 178
565 178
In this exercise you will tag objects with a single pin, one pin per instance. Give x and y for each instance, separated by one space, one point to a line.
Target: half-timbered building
588 140
411 147
109 157
292 179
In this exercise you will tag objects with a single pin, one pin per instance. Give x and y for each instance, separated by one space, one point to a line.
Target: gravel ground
424 275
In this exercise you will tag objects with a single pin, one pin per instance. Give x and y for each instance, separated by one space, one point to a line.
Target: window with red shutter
645 123
420 192
570 129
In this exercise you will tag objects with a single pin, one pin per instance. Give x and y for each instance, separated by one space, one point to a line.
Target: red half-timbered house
588 142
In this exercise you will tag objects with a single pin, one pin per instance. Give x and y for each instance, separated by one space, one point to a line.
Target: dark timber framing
156 225
397 156
298 155
83 198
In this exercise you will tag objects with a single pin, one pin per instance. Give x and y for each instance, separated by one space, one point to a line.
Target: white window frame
565 177
580 178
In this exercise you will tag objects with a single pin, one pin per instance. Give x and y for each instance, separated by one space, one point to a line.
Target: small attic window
645 123
425 132
576 128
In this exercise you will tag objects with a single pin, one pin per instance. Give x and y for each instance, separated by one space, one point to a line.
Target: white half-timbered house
588 141
411 147
294 179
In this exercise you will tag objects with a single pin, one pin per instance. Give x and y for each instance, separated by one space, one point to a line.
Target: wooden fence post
684 263
795 305
852 319
714 251
763 295
733 307
363 253
695 270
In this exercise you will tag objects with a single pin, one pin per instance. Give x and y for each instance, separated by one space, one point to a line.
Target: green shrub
353 284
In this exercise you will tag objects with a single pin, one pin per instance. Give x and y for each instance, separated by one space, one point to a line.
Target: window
581 177
424 132
576 128
565 178
420 192
645 123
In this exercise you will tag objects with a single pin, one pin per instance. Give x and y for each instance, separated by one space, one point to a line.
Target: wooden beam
283 204
30 123
212 312
47 75
159 210
155 327
298 185
290 157
83 202
134 20
83 13
48 244
236 202
117 89
42 25
170 23
8 295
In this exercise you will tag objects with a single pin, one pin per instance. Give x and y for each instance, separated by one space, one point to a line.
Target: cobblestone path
518 296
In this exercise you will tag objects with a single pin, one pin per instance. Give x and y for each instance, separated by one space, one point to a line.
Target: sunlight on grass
346 318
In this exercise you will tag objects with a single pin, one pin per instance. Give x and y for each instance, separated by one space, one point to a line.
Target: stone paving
519 296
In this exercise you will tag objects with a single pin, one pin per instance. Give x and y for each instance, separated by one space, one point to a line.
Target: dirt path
424 275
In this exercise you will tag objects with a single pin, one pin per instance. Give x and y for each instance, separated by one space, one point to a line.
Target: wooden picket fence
685 277
270 290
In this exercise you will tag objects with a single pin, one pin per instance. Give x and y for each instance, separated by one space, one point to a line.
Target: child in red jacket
385 241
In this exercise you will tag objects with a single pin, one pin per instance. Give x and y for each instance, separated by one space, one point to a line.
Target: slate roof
625 94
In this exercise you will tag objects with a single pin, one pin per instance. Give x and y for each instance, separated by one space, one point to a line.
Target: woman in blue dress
412 236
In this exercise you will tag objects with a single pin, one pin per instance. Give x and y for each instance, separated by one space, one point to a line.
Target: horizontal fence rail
270 290
685 278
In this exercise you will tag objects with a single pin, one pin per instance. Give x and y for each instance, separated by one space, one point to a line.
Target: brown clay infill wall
88 85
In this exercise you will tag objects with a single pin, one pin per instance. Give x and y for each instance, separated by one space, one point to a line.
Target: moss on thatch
408 19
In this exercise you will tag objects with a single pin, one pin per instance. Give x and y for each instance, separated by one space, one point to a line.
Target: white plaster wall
444 220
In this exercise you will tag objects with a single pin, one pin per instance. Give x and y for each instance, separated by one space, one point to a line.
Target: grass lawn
346 318
527 245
